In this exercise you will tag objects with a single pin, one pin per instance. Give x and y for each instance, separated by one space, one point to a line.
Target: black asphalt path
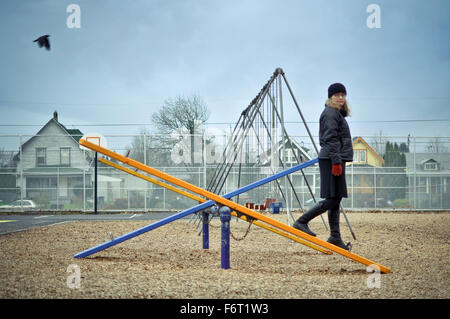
21 222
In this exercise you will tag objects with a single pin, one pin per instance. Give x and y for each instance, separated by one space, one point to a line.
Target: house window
41 183
41 156
430 167
288 153
64 156
355 156
290 156
363 156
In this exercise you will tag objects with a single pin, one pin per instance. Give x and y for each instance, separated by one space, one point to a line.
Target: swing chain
250 222
245 235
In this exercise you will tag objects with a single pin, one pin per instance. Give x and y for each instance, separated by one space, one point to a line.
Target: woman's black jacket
334 136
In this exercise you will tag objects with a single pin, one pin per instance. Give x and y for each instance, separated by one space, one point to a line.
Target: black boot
316 210
335 234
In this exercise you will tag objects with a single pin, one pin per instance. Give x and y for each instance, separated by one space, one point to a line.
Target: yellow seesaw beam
234 206
201 200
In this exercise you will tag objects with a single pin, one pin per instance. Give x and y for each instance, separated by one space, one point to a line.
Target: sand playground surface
169 262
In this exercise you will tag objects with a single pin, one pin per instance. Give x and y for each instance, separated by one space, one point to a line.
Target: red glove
336 169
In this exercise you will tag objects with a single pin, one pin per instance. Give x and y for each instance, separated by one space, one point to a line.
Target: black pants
333 215
332 204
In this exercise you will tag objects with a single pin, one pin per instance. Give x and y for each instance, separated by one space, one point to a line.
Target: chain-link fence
48 171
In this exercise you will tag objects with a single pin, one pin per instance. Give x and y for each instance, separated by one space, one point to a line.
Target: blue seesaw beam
192 210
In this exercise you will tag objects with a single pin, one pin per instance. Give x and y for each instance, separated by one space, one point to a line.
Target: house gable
442 161
55 146
291 146
430 165
364 154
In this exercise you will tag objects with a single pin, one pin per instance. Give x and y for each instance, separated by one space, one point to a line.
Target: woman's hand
336 169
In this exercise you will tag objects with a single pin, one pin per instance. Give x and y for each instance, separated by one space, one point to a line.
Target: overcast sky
129 56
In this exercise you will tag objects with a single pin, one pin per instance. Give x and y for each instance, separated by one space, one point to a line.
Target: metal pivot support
225 217
95 183
205 217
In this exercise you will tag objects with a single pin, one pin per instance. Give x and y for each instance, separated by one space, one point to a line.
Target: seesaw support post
205 217
225 217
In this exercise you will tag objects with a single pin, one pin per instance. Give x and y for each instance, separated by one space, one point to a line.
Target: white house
428 179
51 166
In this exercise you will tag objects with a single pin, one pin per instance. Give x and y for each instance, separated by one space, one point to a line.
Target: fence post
204 157
57 188
145 162
414 184
225 217
128 198
353 189
21 170
95 183
375 184
84 184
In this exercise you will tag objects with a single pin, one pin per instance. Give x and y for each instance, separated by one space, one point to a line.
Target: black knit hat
336 88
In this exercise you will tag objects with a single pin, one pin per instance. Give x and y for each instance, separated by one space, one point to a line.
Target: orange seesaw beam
234 206
201 200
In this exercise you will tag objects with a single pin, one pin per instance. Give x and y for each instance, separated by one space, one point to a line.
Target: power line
229 98
401 121
226 123
362 121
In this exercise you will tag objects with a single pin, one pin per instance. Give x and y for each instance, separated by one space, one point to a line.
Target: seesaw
221 201
202 200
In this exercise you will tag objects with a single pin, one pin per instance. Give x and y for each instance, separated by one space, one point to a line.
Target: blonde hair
330 103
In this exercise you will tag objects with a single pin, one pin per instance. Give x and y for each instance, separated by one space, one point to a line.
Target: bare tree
435 145
181 113
378 143
6 158
148 149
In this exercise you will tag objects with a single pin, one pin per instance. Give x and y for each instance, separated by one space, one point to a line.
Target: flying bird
43 41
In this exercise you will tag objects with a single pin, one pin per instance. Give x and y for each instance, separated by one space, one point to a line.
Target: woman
336 149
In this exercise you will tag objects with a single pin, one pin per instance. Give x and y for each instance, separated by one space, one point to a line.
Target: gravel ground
169 262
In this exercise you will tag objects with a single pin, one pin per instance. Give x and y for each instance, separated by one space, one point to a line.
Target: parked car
18 204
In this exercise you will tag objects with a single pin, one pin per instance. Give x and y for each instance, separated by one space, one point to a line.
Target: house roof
53 170
420 158
426 160
76 134
104 178
357 139
304 154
